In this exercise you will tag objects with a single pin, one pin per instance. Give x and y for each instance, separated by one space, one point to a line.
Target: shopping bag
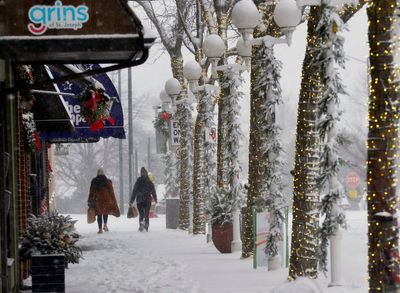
91 215
132 212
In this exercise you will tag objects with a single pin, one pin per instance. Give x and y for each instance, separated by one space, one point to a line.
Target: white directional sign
175 131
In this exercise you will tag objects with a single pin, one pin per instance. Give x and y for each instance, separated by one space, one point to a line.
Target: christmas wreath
32 140
95 107
162 123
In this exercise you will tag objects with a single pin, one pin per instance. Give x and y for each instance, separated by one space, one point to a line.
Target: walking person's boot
141 226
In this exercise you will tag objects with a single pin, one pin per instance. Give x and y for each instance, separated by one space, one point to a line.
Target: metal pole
130 135
121 173
136 164
148 154
286 237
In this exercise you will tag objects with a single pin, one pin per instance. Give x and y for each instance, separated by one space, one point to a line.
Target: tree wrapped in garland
383 131
186 159
326 55
232 134
271 198
209 146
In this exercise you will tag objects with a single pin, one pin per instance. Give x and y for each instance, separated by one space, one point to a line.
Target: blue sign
82 132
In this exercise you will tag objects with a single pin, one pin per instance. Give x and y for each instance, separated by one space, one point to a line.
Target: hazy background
149 80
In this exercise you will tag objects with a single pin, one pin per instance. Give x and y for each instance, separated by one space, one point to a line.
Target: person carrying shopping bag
143 192
102 199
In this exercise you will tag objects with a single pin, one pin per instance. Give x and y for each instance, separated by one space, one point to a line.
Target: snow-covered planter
221 207
50 234
222 236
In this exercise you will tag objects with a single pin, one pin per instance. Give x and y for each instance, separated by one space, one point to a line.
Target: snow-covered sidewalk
172 261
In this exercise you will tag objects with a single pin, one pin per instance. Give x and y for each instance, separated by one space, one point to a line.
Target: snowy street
172 261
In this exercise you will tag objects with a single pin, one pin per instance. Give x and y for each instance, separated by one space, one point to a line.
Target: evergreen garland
199 211
231 191
272 199
210 169
171 182
95 107
32 140
329 52
186 159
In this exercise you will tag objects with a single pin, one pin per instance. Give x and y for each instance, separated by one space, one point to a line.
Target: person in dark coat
102 199
143 192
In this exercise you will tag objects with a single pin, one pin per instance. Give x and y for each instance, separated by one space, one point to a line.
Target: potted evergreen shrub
50 242
221 207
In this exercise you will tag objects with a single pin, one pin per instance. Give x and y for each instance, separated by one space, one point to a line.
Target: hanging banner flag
85 132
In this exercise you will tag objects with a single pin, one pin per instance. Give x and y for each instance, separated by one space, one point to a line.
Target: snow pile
300 285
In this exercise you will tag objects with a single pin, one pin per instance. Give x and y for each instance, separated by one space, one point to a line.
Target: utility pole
136 163
148 154
130 127
121 173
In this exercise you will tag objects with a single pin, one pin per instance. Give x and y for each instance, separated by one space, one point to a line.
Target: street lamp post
287 16
174 89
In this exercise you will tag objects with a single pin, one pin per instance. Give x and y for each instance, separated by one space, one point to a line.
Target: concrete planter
172 213
222 236
48 273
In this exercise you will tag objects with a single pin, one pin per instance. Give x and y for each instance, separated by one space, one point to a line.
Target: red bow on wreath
165 116
100 123
92 103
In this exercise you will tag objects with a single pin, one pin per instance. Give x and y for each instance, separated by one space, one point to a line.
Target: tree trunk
303 260
185 176
383 265
256 117
198 168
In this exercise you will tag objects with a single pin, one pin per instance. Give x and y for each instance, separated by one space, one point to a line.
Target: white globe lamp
164 97
192 72
213 48
173 89
245 17
287 16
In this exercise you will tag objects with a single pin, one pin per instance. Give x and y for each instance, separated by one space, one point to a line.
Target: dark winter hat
143 172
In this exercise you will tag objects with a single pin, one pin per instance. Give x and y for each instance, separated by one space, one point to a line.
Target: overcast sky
149 79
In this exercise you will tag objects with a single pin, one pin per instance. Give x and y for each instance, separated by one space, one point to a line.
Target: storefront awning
50 111
74 31
82 132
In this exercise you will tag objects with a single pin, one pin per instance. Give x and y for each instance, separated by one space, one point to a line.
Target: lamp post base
236 244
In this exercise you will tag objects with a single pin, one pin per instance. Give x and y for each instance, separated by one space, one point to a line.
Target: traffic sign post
352 180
